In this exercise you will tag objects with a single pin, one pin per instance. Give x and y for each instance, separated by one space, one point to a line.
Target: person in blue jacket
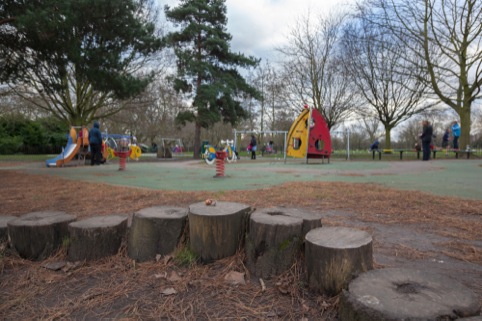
456 134
95 142
375 145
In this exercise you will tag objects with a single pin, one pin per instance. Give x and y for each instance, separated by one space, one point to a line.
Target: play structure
309 136
77 147
209 154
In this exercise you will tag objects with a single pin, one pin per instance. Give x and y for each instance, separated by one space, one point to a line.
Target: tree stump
405 294
273 242
37 235
311 219
3 227
96 237
155 230
334 256
217 231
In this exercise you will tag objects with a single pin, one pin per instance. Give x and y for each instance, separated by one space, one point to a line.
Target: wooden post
38 234
334 256
273 242
217 230
96 237
155 230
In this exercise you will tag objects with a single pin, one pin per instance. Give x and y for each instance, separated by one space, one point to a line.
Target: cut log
311 219
405 294
37 235
3 226
155 230
273 242
96 237
217 231
334 256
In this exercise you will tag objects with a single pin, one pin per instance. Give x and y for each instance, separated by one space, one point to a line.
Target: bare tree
445 37
312 71
371 126
151 115
392 90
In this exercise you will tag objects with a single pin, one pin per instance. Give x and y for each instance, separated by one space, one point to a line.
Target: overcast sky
259 26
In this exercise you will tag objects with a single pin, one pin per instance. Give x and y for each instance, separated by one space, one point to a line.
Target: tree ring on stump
406 294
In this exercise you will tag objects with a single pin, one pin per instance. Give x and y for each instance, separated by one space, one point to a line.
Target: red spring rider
122 152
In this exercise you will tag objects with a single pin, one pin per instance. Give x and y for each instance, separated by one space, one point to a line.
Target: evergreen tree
207 71
76 53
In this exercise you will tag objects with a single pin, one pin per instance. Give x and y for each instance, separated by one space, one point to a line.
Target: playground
422 215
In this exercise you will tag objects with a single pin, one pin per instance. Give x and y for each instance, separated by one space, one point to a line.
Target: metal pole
308 135
284 149
348 145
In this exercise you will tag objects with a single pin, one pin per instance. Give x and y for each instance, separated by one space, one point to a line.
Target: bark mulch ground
168 289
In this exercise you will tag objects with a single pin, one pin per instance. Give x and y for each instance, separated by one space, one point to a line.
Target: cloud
258 27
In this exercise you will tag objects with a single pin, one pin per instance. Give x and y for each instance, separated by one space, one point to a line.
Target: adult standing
253 147
445 139
456 134
95 140
426 139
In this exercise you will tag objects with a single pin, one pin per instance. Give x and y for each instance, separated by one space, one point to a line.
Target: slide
67 154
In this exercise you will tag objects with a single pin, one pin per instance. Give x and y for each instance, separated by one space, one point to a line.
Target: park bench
401 151
461 152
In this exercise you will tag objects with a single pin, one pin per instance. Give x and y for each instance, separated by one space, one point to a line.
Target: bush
21 135
10 145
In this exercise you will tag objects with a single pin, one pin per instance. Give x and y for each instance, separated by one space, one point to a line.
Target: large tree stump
155 230
217 231
37 235
273 242
96 237
3 226
334 256
311 219
405 294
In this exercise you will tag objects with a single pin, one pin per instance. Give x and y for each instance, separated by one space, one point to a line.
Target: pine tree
76 53
206 67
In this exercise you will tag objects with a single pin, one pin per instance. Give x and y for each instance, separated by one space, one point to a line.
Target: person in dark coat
253 147
375 145
426 137
95 141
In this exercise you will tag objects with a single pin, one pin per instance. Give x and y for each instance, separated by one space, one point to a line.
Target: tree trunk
37 235
96 237
274 241
197 141
334 256
388 137
217 231
464 140
404 294
155 230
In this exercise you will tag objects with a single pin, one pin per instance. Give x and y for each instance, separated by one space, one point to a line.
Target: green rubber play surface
461 178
